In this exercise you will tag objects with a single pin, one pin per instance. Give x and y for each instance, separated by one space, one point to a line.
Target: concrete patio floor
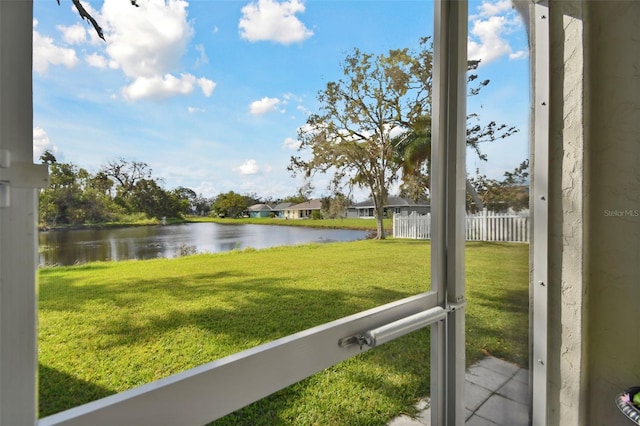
496 393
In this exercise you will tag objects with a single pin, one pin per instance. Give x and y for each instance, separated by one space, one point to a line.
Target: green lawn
107 327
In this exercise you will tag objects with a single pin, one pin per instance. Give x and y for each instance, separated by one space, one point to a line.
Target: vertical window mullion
18 216
448 187
540 213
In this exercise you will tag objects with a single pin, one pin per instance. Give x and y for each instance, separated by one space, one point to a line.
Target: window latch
388 332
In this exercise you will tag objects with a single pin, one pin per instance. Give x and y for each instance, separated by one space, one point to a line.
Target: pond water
147 242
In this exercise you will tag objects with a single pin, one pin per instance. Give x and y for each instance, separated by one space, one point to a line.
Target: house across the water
394 205
280 209
303 210
285 210
260 210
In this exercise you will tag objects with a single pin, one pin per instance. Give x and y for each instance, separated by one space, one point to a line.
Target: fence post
484 225
395 224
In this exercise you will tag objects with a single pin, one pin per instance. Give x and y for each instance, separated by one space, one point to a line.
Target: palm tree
413 153
413 147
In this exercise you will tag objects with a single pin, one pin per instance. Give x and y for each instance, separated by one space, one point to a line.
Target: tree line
127 191
121 190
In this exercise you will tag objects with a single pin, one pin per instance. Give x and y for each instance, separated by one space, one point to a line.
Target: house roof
259 208
282 206
307 205
392 201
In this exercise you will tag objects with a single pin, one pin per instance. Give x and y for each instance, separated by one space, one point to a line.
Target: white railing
482 226
210 391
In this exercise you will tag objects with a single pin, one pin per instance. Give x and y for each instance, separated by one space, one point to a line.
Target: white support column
540 215
448 194
18 236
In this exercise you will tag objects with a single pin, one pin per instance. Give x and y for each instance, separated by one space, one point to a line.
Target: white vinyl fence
482 226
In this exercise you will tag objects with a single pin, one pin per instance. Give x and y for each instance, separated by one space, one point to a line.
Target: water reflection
147 242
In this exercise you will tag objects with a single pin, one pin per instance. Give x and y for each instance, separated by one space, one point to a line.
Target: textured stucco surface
594 209
567 284
614 205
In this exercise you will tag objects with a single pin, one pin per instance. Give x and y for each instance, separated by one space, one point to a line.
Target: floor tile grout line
494 392
509 377
504 384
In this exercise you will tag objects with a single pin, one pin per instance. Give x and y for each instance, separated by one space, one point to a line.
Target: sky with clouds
210 94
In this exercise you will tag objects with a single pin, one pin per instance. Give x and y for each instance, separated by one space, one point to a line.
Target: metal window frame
448 186
237 380
540 215
213 390
18 215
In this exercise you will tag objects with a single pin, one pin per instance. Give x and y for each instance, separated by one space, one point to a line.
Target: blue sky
210 94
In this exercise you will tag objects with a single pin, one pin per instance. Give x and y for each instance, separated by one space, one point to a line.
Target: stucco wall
567 250
613 198
594 209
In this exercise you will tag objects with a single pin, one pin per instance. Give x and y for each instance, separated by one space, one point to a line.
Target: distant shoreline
354 224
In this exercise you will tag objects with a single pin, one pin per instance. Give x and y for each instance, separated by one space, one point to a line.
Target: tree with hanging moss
353 134
413 148
373 127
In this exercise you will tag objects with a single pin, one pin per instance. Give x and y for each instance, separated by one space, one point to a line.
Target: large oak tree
374 125
353 134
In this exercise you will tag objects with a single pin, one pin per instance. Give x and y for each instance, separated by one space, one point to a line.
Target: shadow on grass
497 324
249 308
241 307
65 292
369 389
232 308
60 391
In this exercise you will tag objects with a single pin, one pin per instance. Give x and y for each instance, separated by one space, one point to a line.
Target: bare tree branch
86 15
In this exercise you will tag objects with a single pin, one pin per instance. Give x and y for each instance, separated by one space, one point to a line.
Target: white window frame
540 216
207 392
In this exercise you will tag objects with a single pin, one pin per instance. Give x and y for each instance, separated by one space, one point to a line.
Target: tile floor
496 393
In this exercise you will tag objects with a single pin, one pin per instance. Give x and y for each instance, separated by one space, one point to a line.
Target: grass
107 327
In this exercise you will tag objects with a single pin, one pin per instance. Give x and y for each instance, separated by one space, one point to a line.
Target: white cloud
147 43
157 87
487 9
263 106
249 167
75 34
291 97
303 110
203 58
41 142
192 110
488 39
269 20
96 60
520 54
46 53
206 85
291 143
148 40
490 45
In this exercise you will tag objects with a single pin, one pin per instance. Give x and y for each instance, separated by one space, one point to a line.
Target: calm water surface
147 242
